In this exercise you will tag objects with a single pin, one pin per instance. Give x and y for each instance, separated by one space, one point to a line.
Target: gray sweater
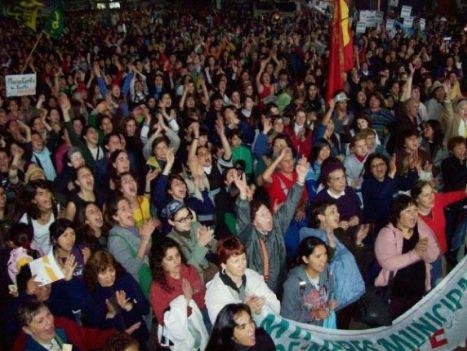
274 240
118 244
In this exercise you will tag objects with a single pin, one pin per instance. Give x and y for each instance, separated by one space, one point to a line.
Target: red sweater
277 189
303 147
82 338
160 298
436 219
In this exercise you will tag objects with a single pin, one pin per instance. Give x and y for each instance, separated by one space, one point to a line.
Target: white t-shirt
41 239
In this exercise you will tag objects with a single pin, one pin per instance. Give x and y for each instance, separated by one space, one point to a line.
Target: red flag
340 48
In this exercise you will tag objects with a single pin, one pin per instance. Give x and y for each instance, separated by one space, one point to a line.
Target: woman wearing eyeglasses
195 240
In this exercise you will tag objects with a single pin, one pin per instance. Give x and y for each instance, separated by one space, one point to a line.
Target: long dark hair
29 192
222 332
85 232
438 135
158 251
315 150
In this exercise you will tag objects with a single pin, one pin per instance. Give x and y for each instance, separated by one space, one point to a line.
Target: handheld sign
406 11
20 84
360 27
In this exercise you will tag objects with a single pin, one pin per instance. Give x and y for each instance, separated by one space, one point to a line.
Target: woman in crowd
453 168
177 298
404 249
263 232
235 330
380 185
140 204
195 240
64 246
308 290
118 298
129 245
431 209
319 153
41 213
347 201
93 230
236 283
84 181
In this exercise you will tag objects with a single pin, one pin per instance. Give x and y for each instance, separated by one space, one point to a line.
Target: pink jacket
388 250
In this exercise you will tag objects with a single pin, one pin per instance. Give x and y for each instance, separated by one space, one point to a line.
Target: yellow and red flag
340 48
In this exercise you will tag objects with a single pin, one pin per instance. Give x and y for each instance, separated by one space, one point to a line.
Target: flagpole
32 51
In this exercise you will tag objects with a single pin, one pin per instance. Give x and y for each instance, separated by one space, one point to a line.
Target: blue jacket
348 282
123 319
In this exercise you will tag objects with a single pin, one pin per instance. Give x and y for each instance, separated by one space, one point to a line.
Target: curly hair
158 251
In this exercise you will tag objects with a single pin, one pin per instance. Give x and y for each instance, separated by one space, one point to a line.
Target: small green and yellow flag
54 24
25 12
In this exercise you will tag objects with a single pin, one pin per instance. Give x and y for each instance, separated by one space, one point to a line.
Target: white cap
340 97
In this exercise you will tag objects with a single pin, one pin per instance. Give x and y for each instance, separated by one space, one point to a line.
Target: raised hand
64 102
152 174
267 125
241 184
187 290
362 233
392 166
255 303
302 169
220 129
123 301
69 267
170 156
204 235
147 229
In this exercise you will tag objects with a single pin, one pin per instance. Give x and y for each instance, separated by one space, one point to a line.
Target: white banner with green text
437 322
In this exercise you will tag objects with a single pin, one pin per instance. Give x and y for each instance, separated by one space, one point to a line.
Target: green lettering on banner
345 345
296 333
451 297
445 303
412 339
369 346
414 331
424 327
462 284
282 326
396 343
294 346
436 317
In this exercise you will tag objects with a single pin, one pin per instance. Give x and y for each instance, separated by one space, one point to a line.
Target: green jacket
194 253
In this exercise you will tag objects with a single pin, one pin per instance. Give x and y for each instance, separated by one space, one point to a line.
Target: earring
223 270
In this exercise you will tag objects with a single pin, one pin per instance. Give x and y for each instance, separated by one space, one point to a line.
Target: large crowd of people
187 175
